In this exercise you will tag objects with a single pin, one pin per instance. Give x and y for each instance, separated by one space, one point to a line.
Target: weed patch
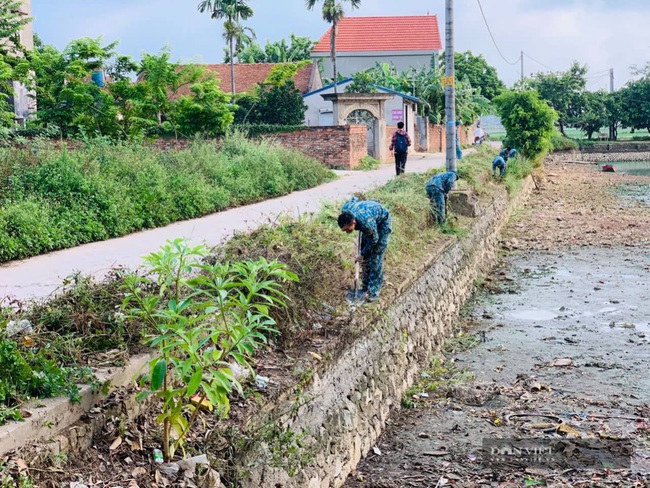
53 199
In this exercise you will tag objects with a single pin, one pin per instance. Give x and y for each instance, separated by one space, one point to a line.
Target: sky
604 34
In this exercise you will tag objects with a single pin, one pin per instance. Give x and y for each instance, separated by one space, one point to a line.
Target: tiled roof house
361 42
248 75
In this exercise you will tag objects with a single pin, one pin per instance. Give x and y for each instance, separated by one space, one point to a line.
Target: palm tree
242 37
233 11
332 13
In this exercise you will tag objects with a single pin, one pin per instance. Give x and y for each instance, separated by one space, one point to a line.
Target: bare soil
553 350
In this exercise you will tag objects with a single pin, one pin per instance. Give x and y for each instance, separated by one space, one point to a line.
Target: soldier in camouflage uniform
437 189
375 224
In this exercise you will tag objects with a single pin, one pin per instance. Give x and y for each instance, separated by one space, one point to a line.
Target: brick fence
340 146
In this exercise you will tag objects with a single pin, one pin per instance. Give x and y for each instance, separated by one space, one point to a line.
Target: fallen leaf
28 342
116 443
212 479
202 403
567 430
139 471
316 355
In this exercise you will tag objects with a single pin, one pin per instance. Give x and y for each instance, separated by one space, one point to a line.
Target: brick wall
340 146
438 137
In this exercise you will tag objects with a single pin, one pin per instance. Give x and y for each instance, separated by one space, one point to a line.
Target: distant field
623 134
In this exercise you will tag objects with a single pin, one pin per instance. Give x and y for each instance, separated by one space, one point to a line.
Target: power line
491 36
538 62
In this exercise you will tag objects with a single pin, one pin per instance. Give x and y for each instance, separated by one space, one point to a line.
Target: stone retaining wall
351 398
601 156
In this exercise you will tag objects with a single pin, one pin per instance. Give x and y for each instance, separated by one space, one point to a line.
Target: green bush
562 143
528 121
368 163
27 372
53 199
254 130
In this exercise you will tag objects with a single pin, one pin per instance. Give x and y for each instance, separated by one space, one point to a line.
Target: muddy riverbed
561 351
554 350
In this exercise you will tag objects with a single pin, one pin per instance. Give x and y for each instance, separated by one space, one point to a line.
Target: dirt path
553 351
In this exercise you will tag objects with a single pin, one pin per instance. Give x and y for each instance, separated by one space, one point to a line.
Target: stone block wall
351 399
616 154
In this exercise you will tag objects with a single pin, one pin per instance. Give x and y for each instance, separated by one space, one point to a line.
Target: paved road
39 276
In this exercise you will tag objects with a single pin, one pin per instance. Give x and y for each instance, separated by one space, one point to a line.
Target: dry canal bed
561 347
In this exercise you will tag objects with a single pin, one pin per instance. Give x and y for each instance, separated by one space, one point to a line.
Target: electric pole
450 90
521 58
612 125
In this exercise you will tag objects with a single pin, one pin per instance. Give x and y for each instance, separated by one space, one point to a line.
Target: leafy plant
368 163
203 322
528 121
27 372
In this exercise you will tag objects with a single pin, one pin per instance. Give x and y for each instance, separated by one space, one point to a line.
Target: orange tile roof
247 75
401 33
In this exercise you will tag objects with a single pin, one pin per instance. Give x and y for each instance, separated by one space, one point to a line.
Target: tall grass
52 199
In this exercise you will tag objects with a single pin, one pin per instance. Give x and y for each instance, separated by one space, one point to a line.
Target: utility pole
450 90
612 125
521 58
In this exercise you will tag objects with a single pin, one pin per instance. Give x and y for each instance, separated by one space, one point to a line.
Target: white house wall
348 64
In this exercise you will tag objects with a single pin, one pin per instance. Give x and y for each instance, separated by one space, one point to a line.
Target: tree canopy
528 121
478 73
563 91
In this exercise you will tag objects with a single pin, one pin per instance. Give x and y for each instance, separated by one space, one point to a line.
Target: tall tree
11 56
11 22
563 91
233 11
243 37
593 113
479 73
634 101
332 13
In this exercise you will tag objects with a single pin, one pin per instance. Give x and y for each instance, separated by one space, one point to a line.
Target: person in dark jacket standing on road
375 224
399 148
438 188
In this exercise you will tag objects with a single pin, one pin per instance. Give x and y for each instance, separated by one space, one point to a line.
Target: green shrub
27 372
528 121
368 163
52 199
562 143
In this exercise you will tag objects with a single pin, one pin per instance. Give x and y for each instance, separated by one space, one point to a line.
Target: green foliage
528 120
299 49
369 163
562 143
51 199
518 168
256 130
206 113
592 113
206 316
478 73
563 91
425 84
31 372
280 104
12 65
362 82
633 105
